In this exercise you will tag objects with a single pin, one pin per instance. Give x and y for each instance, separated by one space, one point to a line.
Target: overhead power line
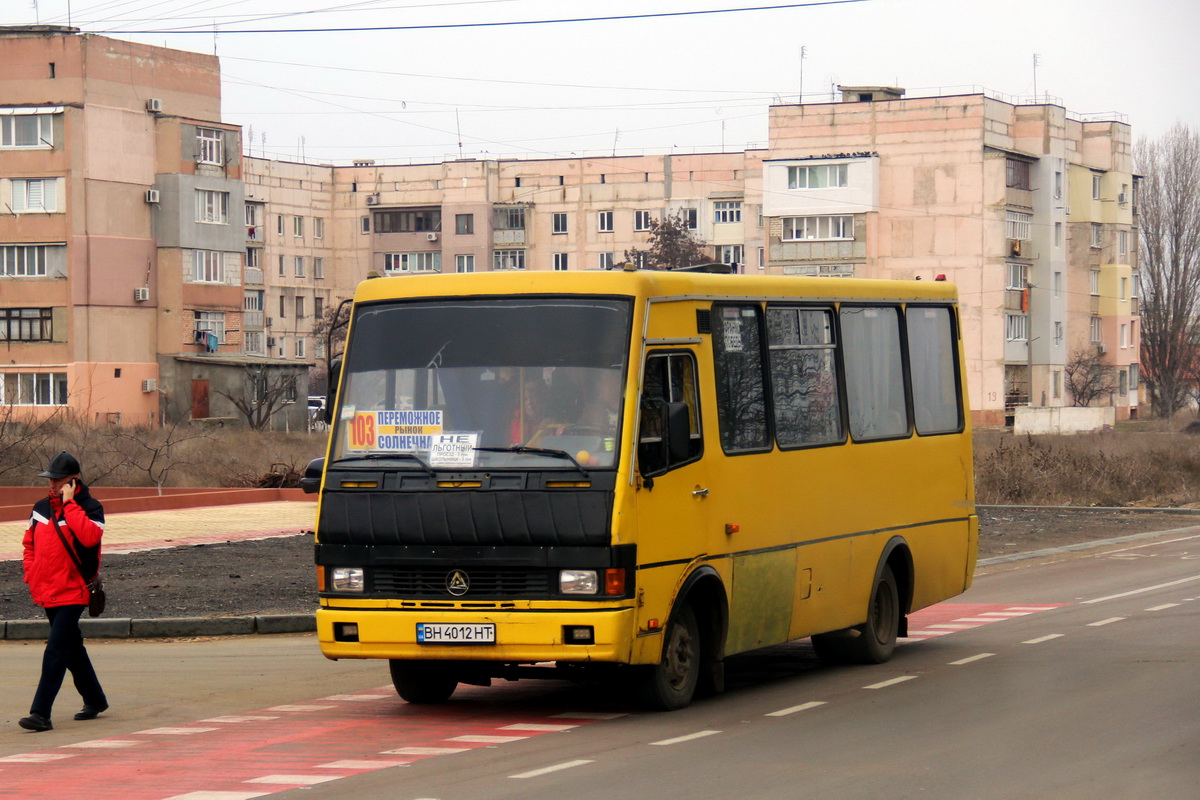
208 30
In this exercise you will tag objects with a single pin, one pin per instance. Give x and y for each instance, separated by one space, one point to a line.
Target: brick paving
156 530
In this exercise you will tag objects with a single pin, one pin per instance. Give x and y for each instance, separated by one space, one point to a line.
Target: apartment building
220 260
121 237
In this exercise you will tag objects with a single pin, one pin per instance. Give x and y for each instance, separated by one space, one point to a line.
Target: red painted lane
274 749
947 618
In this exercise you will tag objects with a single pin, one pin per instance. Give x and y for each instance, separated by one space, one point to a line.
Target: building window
208 266
1123 243
211 322
1016 173
318 307
282 307
1056 382
364 225
298 227
252 342
1016 327
1019 225
299 266
1094 282
508 218
558 222
427 220
300 346
26 260
282 271
508 259
1096 186
1133 377
1058 284
604 221
824 227
560 262
690 218
27 130
464 223
33 389
1058 185
212 207
318 267
727 211
605 260
1097 235
1058 230
413 262
252 257
730 254
279 224
210 146
252 300
1018 276
299 308
1124 289
1095 330
34 194
819 176
641 220
1124 335
464 263
1058 332
26 324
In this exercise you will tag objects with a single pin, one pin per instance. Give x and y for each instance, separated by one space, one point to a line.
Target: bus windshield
484 383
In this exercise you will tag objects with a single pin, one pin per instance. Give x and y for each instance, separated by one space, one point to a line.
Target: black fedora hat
61 466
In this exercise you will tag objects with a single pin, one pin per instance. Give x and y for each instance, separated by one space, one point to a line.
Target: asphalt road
1067 677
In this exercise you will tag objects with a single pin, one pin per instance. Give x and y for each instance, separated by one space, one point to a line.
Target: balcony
252 276
252 319
254 233
509 237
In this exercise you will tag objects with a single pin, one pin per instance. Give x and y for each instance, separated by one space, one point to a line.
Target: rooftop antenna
616 136
1036 61
458 128
803 55
37 14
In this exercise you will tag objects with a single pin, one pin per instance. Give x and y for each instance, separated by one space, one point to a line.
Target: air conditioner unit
1101 349
372 199
150 385
154 105
152 196
141 294
270 341
1014 247
1123 199
431 237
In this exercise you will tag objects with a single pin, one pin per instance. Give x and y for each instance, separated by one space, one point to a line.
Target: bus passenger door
672 500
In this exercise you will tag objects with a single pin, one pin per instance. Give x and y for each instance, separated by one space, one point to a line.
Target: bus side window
670 413
741 395
875 396
932 360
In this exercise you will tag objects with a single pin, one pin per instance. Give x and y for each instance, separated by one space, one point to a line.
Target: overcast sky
689 83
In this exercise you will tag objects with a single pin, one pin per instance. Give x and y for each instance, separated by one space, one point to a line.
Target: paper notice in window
733 335
453 450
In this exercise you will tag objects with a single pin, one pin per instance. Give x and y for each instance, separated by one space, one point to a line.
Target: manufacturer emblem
457 583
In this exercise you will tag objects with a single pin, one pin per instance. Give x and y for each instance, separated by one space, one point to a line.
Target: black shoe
91 711
36 722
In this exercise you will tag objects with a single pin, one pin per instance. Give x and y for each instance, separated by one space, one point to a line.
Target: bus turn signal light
614 582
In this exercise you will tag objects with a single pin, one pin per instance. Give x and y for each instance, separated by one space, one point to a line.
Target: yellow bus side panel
763 587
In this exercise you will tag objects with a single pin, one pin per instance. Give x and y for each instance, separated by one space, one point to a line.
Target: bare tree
154 451
330 329
24 437
1169 216
1088 378
671 245
263 393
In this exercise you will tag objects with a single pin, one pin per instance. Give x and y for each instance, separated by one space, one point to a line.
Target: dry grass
1129 467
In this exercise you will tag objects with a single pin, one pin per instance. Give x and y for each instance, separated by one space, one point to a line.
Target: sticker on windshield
395 431
453 450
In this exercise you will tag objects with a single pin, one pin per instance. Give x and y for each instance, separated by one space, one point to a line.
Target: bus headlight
578 581
347 579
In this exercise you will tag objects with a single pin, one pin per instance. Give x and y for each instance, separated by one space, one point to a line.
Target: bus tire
670 684
832 648
422 682
876 639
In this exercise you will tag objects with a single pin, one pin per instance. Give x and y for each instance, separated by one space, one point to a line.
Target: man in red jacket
56 585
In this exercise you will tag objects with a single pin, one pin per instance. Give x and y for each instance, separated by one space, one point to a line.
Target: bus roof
650 284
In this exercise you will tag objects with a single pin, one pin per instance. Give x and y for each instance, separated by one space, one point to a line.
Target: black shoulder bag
88 564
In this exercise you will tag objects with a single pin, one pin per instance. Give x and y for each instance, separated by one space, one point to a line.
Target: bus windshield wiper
384 456
538 451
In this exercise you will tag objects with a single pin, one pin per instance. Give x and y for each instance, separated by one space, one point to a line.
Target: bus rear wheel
422 682
671 683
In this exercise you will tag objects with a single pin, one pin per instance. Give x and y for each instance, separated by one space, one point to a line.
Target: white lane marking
300 708
106 744
1006 614
586 715
241 718
1163 607
174 731
974 619
688 738
1142 590
476 738
979 657
783 712
892 682
218 796
351 764
1041 639
547 770
424 751
35 758
357 697
952 626
1029 608
299 780
1104 622
538 727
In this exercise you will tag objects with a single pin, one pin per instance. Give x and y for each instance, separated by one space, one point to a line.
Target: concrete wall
1063 420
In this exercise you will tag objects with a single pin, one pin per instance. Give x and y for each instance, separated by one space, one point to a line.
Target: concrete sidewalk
158 530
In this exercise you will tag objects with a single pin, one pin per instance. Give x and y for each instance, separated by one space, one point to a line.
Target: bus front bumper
524 636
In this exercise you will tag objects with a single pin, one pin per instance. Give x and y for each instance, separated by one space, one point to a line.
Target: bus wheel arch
874 641
692 648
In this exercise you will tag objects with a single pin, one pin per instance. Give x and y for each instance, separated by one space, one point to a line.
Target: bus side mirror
679 432
311 481
335 374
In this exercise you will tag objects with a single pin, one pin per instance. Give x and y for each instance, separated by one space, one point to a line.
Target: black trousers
65 651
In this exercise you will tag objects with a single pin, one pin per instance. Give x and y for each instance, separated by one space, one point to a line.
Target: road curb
1072 548
166 627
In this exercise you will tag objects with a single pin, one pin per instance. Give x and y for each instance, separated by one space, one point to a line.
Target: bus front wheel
422 682
671 683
